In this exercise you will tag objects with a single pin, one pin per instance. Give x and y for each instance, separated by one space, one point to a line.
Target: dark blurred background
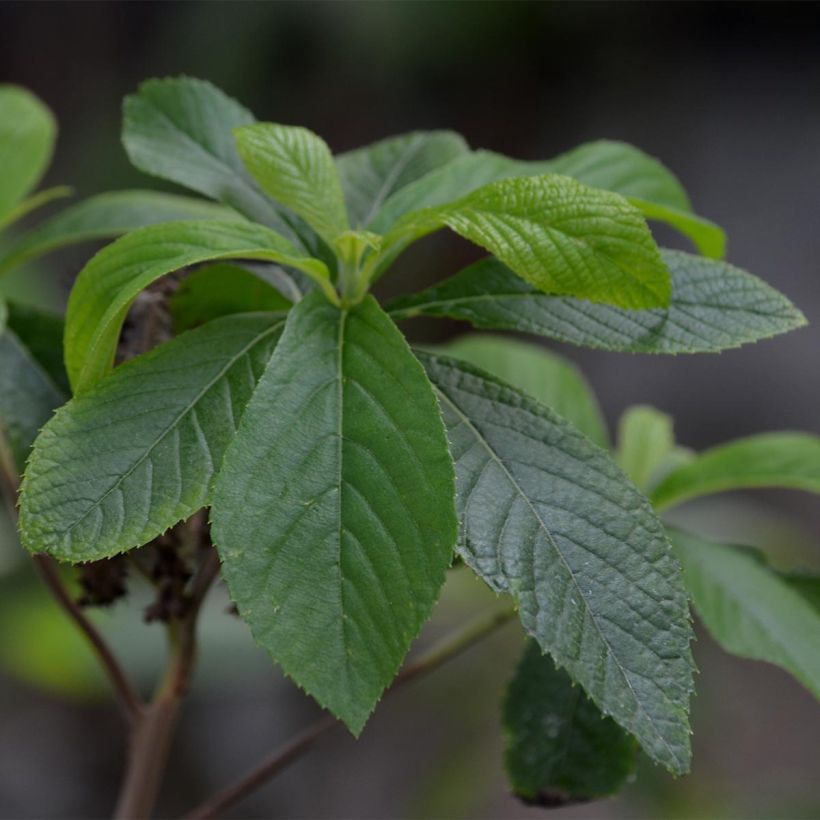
725 94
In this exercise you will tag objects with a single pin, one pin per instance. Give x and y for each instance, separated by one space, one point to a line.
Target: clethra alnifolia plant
344 471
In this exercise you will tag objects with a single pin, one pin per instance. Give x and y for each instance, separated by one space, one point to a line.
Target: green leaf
27 135
295 167
547 377
547 517
42 335
333 512
714 306
107 216
181 129
220 290
806 584
27 396
34 202
559 235
708 238
788 460
750 610
111 281
124 461
560 748
372 174
645 439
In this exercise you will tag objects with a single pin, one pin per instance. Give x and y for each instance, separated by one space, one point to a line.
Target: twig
47 569
441 652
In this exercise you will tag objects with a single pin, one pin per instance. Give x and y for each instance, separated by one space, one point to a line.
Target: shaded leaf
547 517
559 235
333 513
749 609
42 335
788 460
547 377
714 306
645 439
560 748
111 281
124 461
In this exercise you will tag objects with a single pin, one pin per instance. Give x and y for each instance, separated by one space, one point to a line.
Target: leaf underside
714 306
560 748
333 513
123 462
548 518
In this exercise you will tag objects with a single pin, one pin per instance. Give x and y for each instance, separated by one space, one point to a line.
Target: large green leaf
124 461
547 517
334 511
749 609
295 167
789 460
547 377
559 235
220 290
181 129
372 174
714 306
111 281
560 748
27 396
106 216
27 134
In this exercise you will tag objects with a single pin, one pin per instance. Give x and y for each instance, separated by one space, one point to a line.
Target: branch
47 569
444 650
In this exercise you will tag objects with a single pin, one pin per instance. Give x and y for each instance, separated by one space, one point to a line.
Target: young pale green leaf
111 281
548 517
333 512
714 306
547 377
295 167
749 609
560 748
124 461
372 174
220 290
559 235
645 440
41 333
27 134
107 216
27 396
788 460
180 129
707 237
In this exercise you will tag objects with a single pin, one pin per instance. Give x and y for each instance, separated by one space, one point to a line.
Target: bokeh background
726 94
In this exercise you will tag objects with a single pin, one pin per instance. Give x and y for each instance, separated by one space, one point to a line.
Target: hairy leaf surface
559 235
106 216
295 167
560 748
124 461
789 460
547 517
111 281
334 510
27 134
749 609
27 396
547 377
714 306
372 174
220 290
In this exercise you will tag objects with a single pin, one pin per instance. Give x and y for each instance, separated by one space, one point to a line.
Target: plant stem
47 569
442 651
150 741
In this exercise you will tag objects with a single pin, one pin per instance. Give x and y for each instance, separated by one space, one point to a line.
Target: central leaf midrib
468 423
174 424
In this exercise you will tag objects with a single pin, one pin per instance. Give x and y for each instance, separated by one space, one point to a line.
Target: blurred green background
725 94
